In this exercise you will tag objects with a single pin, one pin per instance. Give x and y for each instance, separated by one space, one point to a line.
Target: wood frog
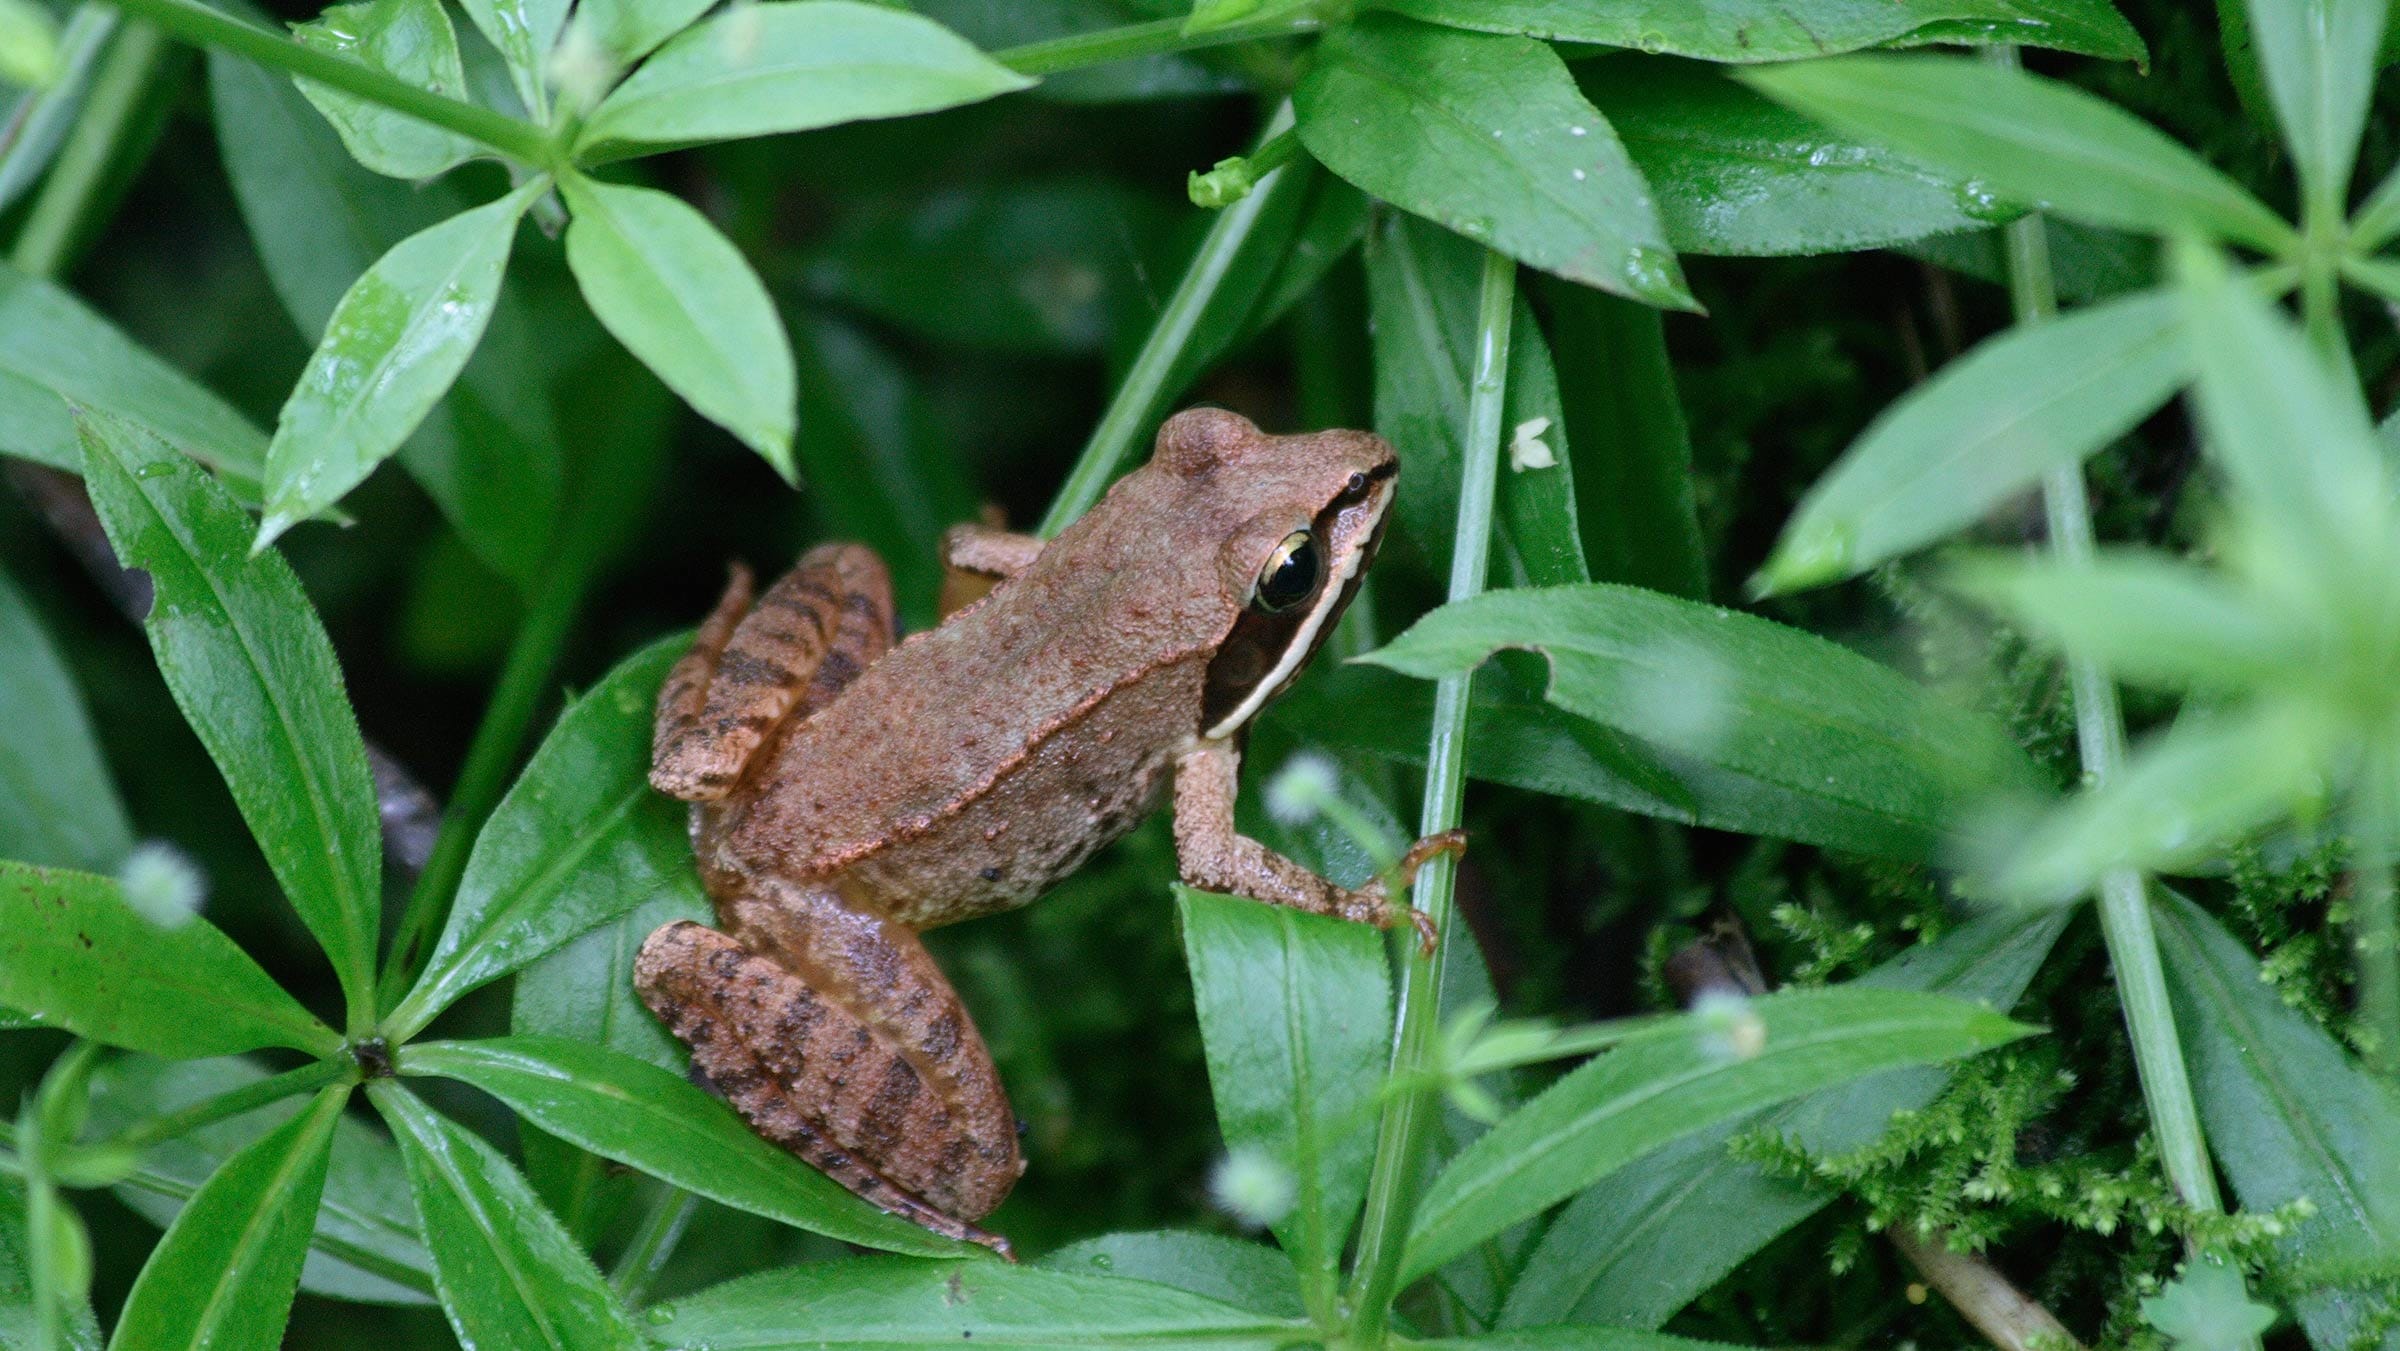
848 793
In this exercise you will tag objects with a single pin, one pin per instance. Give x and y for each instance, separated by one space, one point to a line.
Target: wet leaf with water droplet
411 40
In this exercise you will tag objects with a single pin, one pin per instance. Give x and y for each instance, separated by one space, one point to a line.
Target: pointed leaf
411 40
1490 137
1247 1275
58 805
1987 427
367 1246
1649 1093
2319 60
1733 691
488 453
1572 1339
1652 1237
655 1120
1775 30
55 351
76 956
2290 1114
631 29
681 297
224 1275
1296 1015
2144 617
509 1274
890 1304
584 990
395 343
579 840
782 66
2026 139
17 1318
523 32
1736 173
249 664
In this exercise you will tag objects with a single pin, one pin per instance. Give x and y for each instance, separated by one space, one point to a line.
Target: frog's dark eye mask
1300 591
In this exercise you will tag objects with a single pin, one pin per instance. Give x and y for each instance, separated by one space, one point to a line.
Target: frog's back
976 764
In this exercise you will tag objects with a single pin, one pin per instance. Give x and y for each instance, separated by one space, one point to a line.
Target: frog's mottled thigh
753 666
835 1035
1214 855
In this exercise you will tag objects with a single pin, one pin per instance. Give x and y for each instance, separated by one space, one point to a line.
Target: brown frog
849 793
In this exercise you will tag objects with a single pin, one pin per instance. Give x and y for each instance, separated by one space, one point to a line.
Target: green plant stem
589 526
248 1098
2324 235
646 1254
59 214
1133 41
2125 921
1144 386
2373 904
1401 1136
41 1235
512 137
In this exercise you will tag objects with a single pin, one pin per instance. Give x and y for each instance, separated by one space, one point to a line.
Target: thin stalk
248 1098
2100 737
59 214
1144 386
2324 236
646 1254
41 1239
1400 1138
42 117
2376 925
512 137
1133 41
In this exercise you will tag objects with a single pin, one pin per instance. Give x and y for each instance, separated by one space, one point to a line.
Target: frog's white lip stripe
1304 642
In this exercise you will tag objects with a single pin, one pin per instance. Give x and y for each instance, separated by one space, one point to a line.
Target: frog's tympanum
849 792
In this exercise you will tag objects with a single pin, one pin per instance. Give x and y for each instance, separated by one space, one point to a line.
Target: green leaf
1490 137
56 351
523 32
1733 691
509 1275
1632 452
1247 1275
681 297
1064 264
1646 1094
584 990
629 30
1648 1239
1309 221
1162 75
75 955
2087 262
579 840
2319 60
409 39
398 339
2206 1308
17 1318
2026 139
488 453
2035 398
2144 618
890 1304
2378 218
1296 1015
1771 30
2187 794
1423 285
58 805
1736 173
655 1120
1572 1339
2289 1114
224 1275
250 666
28 44
779 66
2261 391
41 117
367 1246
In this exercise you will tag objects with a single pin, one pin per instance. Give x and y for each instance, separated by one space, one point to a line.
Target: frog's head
1296 520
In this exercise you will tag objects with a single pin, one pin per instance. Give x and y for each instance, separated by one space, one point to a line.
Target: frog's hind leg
836 1037
753 666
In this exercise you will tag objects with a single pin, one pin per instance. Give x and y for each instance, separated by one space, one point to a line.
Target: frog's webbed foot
836 1037
753 666
1215 855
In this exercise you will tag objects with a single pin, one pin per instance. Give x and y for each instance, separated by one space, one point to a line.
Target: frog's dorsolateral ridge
848 792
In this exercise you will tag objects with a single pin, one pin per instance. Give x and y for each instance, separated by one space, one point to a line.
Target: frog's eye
1291 574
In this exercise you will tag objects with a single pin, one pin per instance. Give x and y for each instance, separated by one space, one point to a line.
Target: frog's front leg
1216 856
832 1032
752 666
